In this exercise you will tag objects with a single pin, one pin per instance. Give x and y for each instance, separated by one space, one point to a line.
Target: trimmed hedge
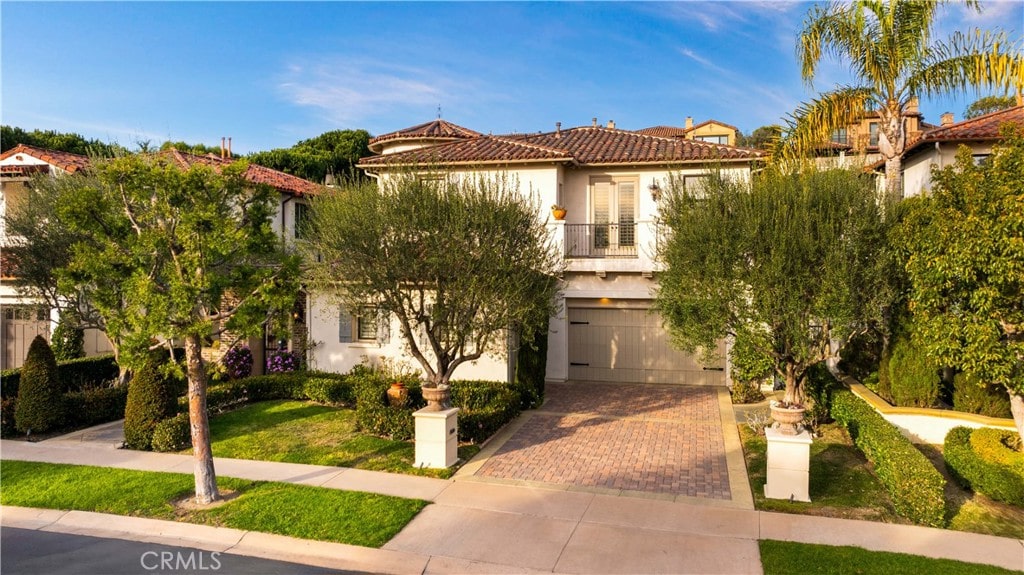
913 483
971 395
95 406
979 460
375 415
152 397
531 369
74 375
484 407
172 434
40 407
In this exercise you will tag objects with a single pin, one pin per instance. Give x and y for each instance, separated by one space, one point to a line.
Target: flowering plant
283 362
238 361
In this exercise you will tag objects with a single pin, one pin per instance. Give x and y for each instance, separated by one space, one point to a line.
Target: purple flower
238 362
283 362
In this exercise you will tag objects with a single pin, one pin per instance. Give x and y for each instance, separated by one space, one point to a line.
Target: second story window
301 219
714 139
840 136
873 134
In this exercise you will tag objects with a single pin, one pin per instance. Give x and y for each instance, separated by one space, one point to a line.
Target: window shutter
344 326
383 327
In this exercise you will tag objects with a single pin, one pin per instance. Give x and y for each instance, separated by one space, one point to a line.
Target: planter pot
438 398
398 395
789 419
558 214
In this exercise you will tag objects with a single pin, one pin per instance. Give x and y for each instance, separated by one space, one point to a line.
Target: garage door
630 345
21 324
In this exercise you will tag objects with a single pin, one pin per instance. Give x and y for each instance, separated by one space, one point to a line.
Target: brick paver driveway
629 437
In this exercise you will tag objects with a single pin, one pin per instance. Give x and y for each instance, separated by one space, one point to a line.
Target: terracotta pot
558 214
789 419
438 398
398 395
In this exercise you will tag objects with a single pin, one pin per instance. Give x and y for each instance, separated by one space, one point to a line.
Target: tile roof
64 160
663 131
257 174
434 130
588 145
981 128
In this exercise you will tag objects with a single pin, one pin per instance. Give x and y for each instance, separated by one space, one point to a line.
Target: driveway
664 441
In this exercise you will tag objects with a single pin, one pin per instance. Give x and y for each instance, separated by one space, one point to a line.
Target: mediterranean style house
23 318
609 182
707 131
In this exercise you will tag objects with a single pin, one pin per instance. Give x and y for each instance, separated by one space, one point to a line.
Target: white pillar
437 438
789 459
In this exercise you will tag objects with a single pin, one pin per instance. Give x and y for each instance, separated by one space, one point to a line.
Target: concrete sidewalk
484 527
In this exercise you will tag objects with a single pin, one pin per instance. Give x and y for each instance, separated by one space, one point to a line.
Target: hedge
531 369
913 483
172 434
74 375
375 414
484 407
95 406
979 460
39 408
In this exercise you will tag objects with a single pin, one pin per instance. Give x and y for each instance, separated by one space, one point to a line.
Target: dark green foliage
8 406
970 395
329 388
884 385
172 434
531 369
484 407
152 397
821 386
67 340
913 376
861 356
87 372
981 461
40 405
9 380
749 367
375 415
95 406
989 104
335 153
913 483
11 136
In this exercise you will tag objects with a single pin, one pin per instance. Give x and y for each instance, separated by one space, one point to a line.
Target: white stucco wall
917 168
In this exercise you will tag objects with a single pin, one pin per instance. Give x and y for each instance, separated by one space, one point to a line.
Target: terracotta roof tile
663 131
64 160
584 145
985 127
283 182
434 130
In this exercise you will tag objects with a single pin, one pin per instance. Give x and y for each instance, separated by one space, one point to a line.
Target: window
366 324
979 159
840 136
301 218
873 134
714 139
25 313
371 325
613 211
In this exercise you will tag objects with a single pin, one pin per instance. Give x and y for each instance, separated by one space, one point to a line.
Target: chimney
558 129
689 122
593 122
913 106
222 148
947 119
611 124
229 148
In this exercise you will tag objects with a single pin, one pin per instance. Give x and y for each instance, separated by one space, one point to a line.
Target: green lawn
841 481
785 558
301 511
303 432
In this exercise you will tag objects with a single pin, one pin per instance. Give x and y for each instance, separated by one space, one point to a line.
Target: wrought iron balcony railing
601 240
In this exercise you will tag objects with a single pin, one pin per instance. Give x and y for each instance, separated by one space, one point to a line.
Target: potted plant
558 212
398 394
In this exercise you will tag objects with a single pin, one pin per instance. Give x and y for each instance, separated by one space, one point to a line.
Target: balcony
601 240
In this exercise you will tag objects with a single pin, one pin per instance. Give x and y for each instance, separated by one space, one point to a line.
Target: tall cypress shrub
152 398
40 402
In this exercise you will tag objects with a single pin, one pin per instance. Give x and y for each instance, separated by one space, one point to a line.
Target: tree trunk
894 178
206 478
794 393
1017 409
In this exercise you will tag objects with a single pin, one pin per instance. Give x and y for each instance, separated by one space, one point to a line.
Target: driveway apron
660 441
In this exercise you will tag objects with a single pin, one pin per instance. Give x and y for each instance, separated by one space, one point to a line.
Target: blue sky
270 74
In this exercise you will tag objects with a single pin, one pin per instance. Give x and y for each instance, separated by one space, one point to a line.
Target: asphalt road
31 552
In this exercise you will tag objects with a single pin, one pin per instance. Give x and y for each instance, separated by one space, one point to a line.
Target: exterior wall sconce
655 190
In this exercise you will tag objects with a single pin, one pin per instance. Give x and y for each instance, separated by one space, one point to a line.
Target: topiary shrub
67 340
40 403
981 460
238 362
173 434
913 483
152 398
970 395
914 378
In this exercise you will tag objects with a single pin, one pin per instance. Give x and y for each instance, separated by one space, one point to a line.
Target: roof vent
558 129
611 124
593 122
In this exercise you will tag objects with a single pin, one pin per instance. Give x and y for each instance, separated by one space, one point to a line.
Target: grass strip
351 517
784 557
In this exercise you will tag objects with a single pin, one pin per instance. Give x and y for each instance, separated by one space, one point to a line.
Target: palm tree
888 44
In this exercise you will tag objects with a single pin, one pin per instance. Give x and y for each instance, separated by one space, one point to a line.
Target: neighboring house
609 181
22 318
937 146
711 131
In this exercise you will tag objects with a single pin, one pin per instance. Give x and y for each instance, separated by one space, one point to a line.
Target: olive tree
965 258
786 262
457 259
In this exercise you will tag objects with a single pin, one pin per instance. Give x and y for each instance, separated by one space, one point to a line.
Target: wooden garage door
21 324
630 345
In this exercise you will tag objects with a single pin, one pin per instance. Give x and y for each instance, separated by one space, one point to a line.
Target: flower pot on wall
558 212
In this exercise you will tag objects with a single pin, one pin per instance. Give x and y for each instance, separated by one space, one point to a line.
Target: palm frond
811 126
979 60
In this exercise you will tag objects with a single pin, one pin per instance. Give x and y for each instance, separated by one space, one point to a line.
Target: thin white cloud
689 53
350 91
111 133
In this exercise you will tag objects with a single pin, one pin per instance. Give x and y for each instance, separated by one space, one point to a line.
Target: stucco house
707 131
609 180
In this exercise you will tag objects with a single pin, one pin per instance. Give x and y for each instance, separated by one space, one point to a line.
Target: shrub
373 412
331 389
152 398
913 483
913 377
238 362
820 387
484 407
40 405
747 364
745 392
861 356
283 362
87 372
8 406
884 389
95 406
255 388
970 395
9 380
981 461
531 369
172 434
67 340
